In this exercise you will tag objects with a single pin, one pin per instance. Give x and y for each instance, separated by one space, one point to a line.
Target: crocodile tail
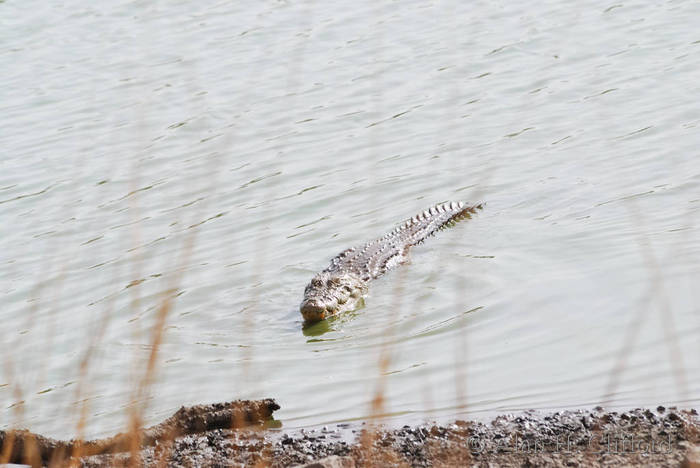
376 257
425 224
391 249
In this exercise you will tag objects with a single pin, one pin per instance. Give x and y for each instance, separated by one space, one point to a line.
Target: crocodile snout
313 311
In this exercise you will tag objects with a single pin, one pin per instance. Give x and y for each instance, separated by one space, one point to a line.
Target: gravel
649 437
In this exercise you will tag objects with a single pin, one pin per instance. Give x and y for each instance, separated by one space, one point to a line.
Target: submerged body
343 285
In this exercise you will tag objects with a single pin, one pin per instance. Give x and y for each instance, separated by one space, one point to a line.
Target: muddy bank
202 435
658 437
21 446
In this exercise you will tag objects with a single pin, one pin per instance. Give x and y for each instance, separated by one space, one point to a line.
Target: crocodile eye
316 282
333 281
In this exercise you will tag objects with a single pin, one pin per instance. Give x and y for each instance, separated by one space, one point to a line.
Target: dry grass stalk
657 291
36 450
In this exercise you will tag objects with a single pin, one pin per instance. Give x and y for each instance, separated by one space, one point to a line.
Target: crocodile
343 285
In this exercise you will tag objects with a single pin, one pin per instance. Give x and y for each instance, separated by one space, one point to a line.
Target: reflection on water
333 323
276 135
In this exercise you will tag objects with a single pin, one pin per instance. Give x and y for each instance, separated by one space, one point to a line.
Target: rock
334 461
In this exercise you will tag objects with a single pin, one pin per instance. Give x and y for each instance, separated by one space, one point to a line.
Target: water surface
220 155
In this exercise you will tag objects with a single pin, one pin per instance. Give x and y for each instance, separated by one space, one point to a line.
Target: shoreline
650 437
202 435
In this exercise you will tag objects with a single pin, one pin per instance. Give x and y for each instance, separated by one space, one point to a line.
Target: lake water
220 154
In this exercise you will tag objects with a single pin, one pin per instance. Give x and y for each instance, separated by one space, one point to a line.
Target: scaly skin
343 285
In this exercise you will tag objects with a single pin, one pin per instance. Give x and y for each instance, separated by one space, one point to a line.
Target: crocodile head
330 293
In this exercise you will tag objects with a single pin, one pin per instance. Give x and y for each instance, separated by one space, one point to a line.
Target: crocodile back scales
378 256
